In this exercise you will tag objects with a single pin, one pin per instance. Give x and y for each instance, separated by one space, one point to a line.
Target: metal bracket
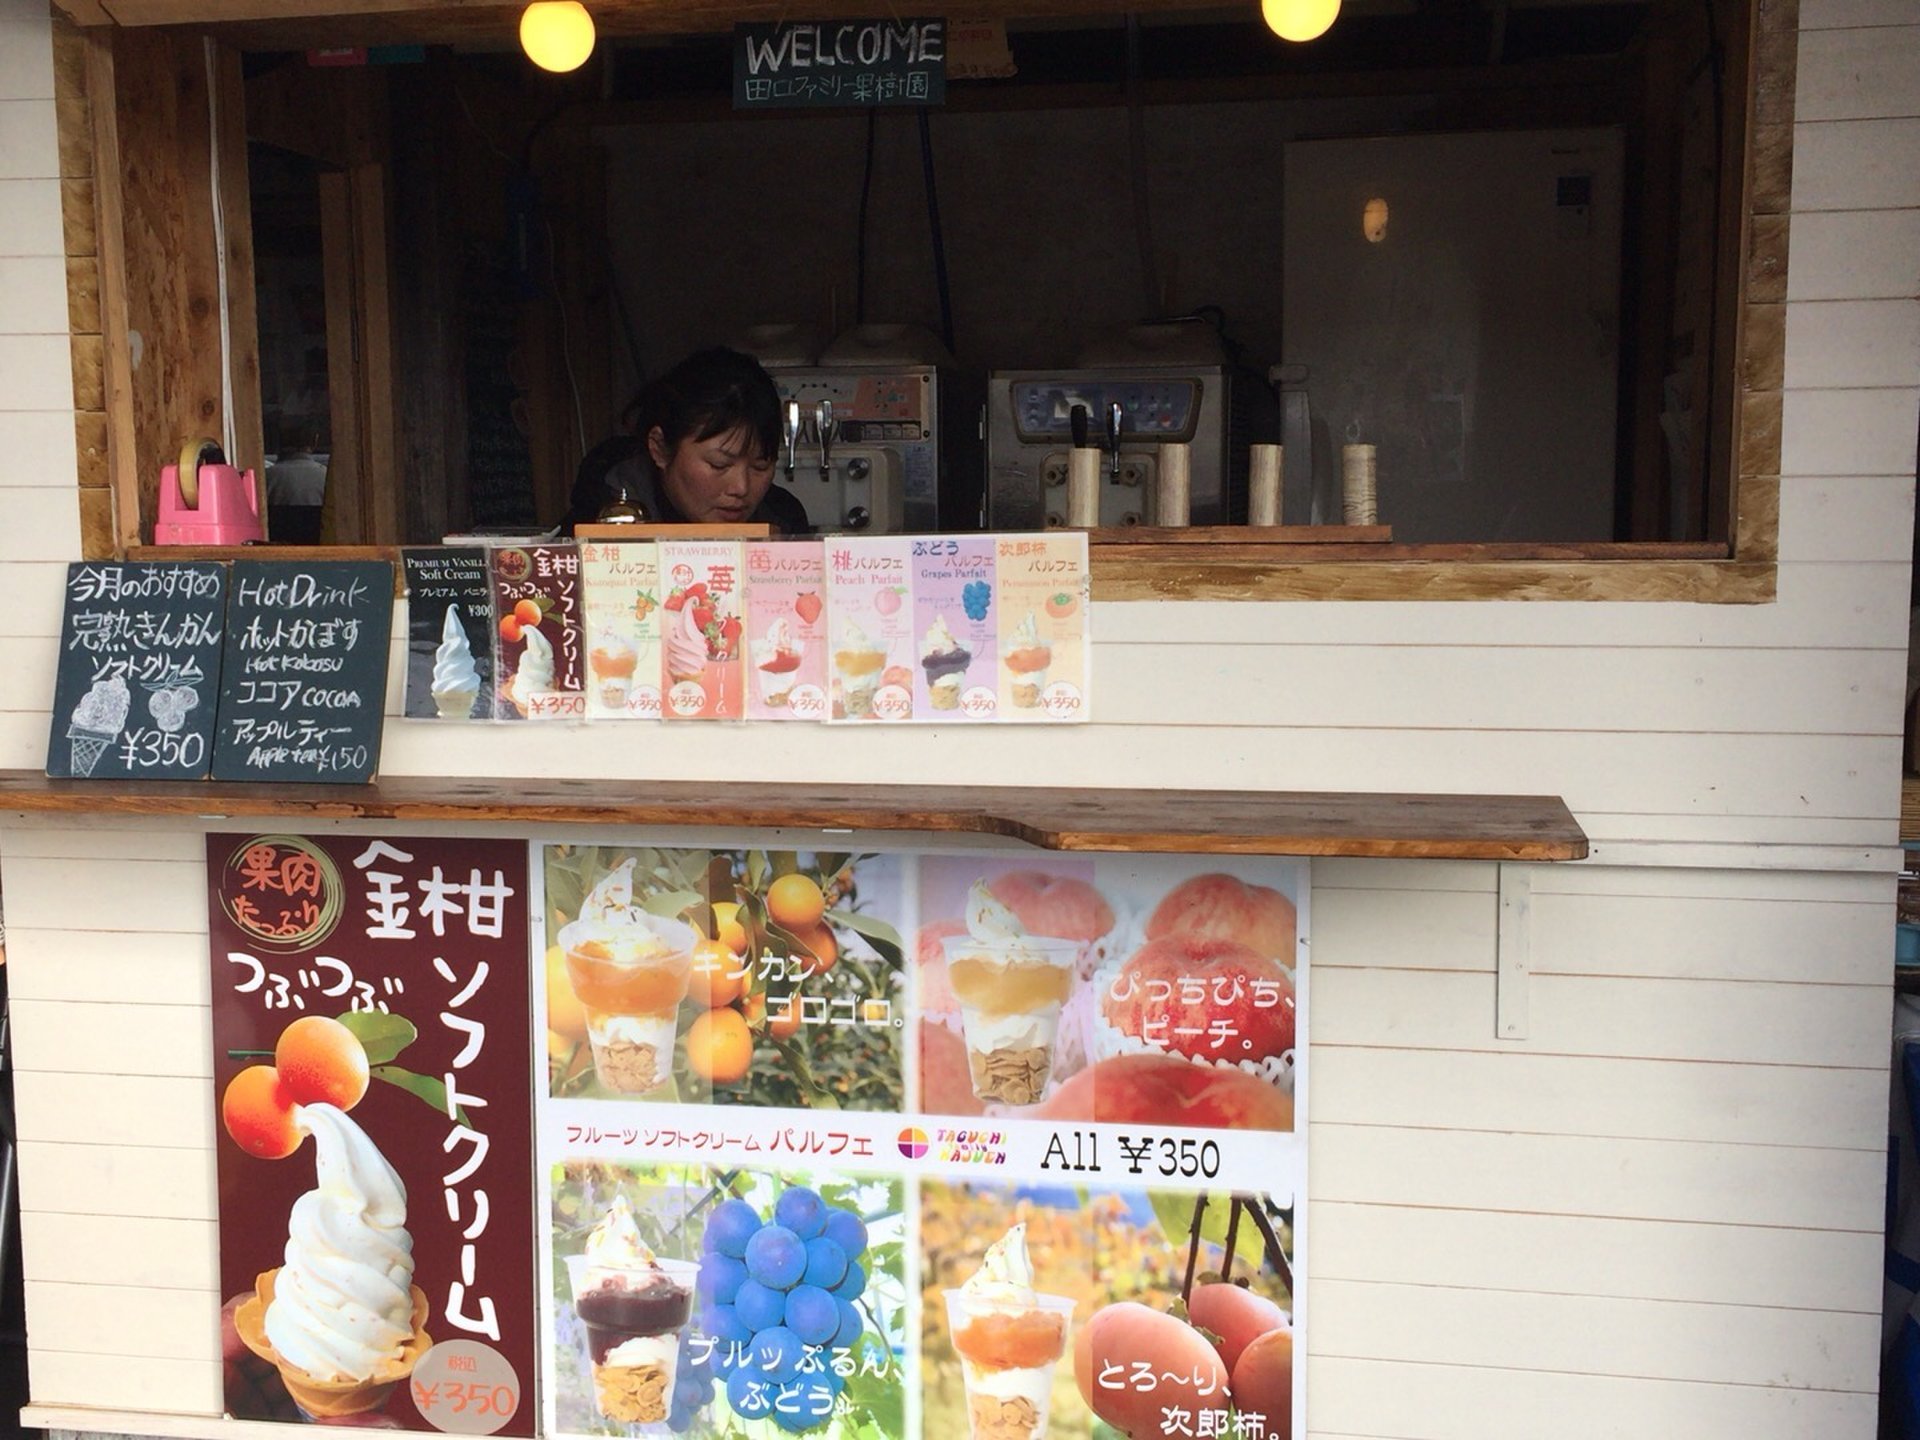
1513 952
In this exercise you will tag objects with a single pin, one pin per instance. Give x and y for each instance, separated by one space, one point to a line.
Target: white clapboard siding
1820 517
1575 1175
1854 255
116 1250
1410 1401
30 223
161 1111
29 141
33 298
1711 1262
1751 1022
1856 165
161 1324
1859 74
110 967
1604 1098
132 1180
1853 344
1844 14
123 1039
1588 1335
39 374
130 1382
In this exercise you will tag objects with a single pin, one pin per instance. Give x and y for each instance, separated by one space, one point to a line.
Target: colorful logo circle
913 1142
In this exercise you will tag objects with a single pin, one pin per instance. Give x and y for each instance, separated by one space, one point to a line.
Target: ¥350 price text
1078 1151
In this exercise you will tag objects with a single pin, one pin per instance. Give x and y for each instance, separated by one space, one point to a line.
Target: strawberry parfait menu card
536 595
702 674
786 634
1042 604
956 648
870 625
622 584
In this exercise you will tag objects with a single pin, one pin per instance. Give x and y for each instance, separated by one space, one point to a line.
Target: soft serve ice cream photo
450 633
1010 1338
456 679
373 1206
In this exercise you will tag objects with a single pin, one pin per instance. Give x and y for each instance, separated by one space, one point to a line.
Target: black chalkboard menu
303 684
139 671
450 633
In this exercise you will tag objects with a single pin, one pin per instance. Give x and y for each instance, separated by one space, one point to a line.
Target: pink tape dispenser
205 501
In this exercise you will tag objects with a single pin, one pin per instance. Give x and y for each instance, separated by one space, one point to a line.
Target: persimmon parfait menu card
703 630
1043 626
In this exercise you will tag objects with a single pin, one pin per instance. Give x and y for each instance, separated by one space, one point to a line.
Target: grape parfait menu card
957 647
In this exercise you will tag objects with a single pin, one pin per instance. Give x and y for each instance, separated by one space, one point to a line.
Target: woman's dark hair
709 393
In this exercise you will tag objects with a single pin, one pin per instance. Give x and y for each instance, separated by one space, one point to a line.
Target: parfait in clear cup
630 971
632 1306
1009 1338
1010 992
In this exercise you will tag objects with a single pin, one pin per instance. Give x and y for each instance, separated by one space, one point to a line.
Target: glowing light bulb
1373 221
1299 20
557 34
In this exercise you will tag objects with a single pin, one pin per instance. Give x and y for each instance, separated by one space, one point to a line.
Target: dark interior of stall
1497 242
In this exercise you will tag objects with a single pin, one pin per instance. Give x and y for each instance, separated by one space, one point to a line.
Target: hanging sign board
826 63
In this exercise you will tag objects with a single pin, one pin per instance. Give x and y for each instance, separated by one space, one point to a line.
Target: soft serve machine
1158 384
870 429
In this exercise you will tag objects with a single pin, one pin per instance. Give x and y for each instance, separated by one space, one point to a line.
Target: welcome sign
825 63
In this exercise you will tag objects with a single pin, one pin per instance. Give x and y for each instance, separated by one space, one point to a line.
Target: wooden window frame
1747 411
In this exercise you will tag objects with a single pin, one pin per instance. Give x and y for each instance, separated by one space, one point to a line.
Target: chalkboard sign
304 681
139 671
450 633
824 63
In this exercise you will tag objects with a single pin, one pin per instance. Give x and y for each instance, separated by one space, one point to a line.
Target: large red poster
371 1050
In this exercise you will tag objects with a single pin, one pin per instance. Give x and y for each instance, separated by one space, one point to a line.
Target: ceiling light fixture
1299 20
557 34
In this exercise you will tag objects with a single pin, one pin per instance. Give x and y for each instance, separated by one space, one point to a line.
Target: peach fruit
946 1080
1233 1002
1225 907
1166 1090
1053 905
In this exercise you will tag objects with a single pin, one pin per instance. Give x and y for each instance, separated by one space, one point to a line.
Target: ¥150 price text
1078 1152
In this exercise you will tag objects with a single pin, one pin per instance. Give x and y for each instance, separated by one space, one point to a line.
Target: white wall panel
30 221
33 298
1856 165
1854 255
1859 74
29 140
1841 14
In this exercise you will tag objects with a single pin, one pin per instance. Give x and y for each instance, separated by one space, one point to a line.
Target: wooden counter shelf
1432 827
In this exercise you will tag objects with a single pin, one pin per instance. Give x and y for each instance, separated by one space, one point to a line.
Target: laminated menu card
870 627
621 580
450 633
536 599
701 641
786 630
956 642
1043 626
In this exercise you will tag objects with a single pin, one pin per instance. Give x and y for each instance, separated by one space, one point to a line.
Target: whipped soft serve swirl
1005 1276
453 667
343 1303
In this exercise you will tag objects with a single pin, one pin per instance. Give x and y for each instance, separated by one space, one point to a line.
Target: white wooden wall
1658 1215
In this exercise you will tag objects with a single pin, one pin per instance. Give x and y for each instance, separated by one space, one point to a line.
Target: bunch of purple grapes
777 1297
692 1385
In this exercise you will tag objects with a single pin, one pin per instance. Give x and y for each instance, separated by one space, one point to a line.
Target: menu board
450 630
372 1137
702 674
870 625
879 1145
537 601
303 681
1043 626
139 671
954 626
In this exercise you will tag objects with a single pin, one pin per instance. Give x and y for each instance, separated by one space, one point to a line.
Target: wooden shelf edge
1193 822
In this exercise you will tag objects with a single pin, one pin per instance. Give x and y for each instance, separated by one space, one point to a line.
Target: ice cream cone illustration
342 1319
96 722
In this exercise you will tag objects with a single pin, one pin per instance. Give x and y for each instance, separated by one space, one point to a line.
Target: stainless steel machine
1128 412
876 435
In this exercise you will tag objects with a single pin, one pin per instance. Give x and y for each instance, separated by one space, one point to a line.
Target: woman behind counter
706 437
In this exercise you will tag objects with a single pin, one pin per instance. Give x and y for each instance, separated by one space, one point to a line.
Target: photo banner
881 1145
371 1052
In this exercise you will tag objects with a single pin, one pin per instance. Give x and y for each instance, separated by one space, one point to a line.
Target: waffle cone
326 1399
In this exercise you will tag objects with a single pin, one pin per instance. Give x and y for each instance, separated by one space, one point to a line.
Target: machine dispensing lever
823 417
1116 422
790 432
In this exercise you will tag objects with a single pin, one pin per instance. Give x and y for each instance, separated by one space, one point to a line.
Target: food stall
1590 1144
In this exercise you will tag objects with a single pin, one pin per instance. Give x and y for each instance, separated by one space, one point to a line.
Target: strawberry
730 629
697 590
807 607
676 598
702 612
